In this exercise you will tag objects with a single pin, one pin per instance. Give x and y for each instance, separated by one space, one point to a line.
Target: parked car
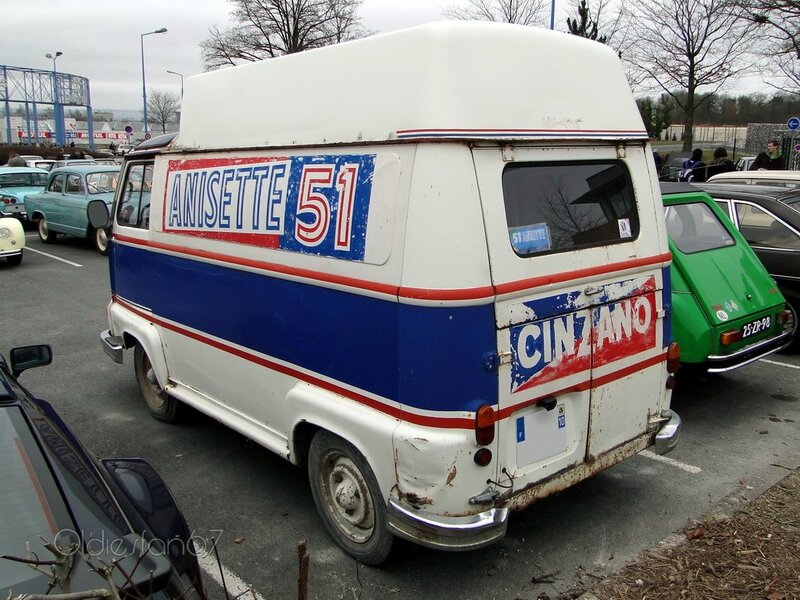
16 183
42 163
61 207
73 162
786 179
726 309
57 492
672 166
744 163
12 240
769 219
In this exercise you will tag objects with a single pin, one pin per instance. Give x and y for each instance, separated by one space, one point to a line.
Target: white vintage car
12 240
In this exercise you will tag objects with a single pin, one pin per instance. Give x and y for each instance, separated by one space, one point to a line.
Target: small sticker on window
624 228
530 238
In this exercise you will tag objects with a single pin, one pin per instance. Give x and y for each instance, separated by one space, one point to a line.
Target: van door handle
592 291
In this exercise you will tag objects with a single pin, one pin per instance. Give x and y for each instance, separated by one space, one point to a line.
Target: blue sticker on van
528 239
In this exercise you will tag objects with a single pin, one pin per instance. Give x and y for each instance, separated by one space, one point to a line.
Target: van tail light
726 338
484 425
673 357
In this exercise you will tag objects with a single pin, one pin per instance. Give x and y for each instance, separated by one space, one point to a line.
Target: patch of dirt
754 554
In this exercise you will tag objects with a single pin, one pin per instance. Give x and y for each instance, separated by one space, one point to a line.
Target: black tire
160 404
793 304
100 237
348 498
47 236
14 260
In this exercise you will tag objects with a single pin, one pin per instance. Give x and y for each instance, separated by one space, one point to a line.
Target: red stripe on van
412 293
585 385
397 413
544 280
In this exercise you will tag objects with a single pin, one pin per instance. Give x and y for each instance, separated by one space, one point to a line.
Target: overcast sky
101 40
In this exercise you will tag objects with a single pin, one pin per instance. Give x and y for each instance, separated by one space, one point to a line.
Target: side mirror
28 357
97 211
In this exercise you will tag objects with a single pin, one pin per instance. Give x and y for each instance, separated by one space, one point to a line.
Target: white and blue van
430 266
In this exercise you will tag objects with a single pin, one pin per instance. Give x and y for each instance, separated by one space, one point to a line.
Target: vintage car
61 207
94 512
769 220
726 309
785 179
15 185
12 240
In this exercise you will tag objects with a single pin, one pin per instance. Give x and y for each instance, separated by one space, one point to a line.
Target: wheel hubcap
348 496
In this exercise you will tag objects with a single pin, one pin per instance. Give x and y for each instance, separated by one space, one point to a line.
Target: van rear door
578 263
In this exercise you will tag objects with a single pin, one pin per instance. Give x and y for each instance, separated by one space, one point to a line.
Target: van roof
450 80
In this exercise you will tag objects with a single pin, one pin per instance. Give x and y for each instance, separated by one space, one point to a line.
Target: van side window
557 207
134 205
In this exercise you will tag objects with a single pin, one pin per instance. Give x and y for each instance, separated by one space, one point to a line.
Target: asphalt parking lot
740 436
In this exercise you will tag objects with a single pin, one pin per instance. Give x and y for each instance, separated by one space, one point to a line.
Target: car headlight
5 233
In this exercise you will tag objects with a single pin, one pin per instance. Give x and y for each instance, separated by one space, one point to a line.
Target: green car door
727 310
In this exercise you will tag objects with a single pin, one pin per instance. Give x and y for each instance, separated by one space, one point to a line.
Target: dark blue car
70 522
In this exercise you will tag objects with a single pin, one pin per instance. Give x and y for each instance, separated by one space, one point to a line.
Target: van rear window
557 207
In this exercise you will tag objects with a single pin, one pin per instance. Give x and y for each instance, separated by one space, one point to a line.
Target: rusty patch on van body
451 475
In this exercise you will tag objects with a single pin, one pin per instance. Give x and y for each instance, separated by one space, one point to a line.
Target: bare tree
521 12
270 28
691 46
162 108
779 24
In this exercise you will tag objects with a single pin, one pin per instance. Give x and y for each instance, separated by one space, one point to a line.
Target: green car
726 309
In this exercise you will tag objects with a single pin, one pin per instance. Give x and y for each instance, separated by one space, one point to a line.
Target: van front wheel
348 498
160 404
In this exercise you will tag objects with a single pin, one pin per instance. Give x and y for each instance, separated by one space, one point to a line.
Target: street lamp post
181 76
58 110
144 85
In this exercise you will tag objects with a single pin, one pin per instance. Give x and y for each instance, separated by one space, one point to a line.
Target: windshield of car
23 179
33 501
101 183
695 228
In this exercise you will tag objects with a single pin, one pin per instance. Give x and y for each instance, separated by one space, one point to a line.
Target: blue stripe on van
429 358
666 299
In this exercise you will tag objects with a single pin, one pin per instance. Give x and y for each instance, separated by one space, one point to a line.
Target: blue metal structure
35 87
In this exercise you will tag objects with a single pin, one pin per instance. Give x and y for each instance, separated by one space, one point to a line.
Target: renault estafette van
424 265
727 309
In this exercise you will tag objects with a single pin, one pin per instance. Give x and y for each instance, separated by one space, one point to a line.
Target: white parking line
671 461
64 260
235 585
780 364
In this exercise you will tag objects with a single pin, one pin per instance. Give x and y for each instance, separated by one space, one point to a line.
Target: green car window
695 228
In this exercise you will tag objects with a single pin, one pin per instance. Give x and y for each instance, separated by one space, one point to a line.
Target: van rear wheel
348 498
160 404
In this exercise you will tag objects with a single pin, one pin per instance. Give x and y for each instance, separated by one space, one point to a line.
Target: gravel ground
752 554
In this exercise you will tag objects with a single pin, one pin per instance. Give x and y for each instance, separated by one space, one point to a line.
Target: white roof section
442 80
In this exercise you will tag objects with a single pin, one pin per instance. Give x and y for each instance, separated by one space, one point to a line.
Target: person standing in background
771 160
